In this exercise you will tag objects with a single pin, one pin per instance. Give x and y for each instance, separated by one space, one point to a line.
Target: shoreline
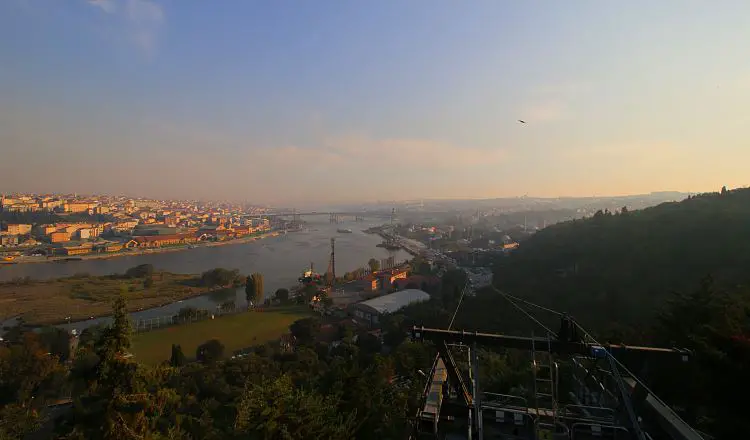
82 320
127 310
139 252
131 309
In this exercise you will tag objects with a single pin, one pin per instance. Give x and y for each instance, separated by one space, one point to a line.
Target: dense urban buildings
67 225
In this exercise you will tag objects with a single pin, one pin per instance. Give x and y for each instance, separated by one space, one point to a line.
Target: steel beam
668 420
440 336
455 375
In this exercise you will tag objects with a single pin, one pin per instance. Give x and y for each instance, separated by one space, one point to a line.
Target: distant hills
620 268
525 203
545 203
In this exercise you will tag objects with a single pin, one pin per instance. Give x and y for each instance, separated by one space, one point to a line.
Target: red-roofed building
241 231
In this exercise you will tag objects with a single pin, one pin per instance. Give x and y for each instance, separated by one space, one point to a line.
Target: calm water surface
280 259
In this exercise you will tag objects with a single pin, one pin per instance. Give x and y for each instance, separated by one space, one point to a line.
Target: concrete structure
382 280
387 277
45 229
78 206
72 248
8 240
122 226
370 283
109 246
20 206
150 230
262 223
371 310
59 237
18 229
51 204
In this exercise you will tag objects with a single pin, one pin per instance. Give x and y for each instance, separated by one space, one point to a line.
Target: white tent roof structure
395 301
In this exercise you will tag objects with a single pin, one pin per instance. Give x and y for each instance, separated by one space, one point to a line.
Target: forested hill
619 268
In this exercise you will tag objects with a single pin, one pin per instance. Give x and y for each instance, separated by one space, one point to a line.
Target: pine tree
112 406
178 357
115 339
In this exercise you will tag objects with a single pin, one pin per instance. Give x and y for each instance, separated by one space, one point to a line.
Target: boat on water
389 246
344 231
309 276
65 260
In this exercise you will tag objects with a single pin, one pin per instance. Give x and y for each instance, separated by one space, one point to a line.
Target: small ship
391 246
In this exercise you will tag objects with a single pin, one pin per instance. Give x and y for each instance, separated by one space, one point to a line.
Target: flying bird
521 121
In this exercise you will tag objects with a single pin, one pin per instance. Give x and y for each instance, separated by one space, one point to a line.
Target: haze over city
284 102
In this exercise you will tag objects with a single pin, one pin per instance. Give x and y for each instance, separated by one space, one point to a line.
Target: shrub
140 271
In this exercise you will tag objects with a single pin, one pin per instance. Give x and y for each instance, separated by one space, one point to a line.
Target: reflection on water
222 295
280 259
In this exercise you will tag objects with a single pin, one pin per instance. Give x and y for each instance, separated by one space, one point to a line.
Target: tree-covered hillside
677 274
621 267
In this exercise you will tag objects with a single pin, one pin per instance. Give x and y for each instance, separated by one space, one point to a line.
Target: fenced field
236 331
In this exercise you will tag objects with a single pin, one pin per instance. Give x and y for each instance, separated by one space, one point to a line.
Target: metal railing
504 400
163 321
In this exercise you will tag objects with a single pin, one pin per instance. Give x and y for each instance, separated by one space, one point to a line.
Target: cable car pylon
449 406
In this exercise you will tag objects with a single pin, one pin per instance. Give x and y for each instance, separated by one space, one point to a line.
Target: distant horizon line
370 202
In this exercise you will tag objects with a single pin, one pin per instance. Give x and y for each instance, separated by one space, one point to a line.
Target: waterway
280 259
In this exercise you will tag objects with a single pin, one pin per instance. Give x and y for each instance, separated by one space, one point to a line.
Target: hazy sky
332 100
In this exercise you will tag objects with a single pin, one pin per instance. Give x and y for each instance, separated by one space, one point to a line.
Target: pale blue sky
332 100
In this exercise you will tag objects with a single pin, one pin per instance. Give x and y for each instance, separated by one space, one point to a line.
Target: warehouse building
370 311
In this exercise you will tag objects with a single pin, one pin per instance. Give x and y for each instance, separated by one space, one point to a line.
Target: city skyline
287 103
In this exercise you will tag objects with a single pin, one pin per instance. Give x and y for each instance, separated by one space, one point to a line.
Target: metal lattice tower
491 415
332 262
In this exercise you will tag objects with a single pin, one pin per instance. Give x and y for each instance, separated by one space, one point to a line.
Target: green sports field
234 331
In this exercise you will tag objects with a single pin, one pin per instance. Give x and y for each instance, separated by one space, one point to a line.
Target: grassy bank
234 331
80 297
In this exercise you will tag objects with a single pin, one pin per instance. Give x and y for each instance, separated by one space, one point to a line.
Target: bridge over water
334 215
376 214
